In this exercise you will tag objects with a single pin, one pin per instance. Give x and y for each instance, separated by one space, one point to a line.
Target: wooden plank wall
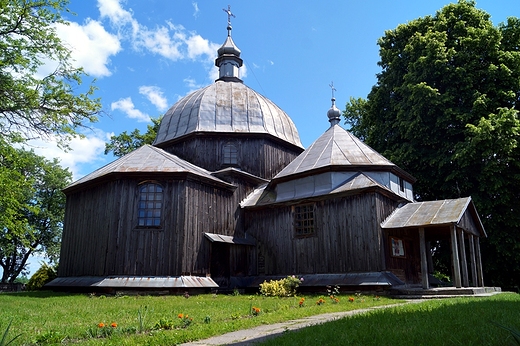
100 235
258 156
347 236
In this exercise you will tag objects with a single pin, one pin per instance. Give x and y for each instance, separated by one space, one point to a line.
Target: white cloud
91 45
172 41
195 9
155 96
127 106
113 10
85 155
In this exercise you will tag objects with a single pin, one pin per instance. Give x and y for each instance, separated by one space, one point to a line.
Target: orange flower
180 315
350 299
101 325
113 325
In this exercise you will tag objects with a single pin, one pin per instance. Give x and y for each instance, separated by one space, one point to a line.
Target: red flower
101 325
113 325
180 315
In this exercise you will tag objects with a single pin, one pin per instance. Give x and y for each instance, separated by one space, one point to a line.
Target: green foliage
31 208
280 288
125 143
446 109
46 273
4 341
32 105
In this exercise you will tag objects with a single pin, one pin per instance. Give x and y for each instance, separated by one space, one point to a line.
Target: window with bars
230 154
149 205
303 220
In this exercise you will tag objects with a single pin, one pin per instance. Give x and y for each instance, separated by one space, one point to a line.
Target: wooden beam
472 258
463 261
455 257
480 274
424 259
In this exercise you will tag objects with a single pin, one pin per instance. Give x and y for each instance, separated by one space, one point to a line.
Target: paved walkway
264 332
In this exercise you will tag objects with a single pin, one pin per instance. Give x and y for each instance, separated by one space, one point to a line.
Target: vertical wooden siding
347 236
101 238
258 156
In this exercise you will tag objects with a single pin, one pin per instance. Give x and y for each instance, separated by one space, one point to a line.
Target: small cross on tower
332 88
229 14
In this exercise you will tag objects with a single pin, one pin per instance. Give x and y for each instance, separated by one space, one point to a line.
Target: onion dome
226 106
334 114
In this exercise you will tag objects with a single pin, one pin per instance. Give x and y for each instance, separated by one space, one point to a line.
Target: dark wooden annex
412 229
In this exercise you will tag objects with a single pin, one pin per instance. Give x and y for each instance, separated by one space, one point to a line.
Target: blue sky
145 55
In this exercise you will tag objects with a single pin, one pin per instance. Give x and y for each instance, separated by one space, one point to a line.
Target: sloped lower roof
436 213
147 159
262 196
338 147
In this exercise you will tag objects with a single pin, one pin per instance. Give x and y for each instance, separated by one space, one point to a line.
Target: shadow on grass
40 294
462 321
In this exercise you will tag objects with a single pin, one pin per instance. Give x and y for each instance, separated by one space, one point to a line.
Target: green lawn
46 318
454 321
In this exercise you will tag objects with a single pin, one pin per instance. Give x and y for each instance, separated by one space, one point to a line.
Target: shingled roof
147 159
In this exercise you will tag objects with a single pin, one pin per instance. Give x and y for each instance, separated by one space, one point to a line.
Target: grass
48 318
454 321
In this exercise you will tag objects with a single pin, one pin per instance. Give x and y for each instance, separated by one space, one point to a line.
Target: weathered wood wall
259 156
101 238
406 268
347 236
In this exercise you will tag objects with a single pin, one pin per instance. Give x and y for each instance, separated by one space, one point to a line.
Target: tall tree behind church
446 109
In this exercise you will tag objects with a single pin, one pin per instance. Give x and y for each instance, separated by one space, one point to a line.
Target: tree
33 106
31 208
446 109
125 143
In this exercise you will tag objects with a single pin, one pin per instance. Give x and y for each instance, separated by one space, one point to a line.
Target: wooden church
227 197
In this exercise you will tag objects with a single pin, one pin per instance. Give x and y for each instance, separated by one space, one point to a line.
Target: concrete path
264 332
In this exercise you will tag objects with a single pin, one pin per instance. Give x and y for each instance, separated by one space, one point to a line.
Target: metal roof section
434 213
357 182
338 147
253 198
132 282
226 107
218 238
148 159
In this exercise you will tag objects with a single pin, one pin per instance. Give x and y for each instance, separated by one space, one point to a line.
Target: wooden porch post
480 274
473 260
424 260
463 261
455 257
430 258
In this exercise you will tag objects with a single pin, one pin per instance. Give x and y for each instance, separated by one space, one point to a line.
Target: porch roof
460 212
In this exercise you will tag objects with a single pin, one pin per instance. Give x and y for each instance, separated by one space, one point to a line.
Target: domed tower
228 124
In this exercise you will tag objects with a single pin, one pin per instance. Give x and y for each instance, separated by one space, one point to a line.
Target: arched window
229 154
149 205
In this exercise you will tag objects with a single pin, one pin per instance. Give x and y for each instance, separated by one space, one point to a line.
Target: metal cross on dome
229 14
332 88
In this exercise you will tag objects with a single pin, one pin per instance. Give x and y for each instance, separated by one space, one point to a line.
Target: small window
230 154
401 184
150 205
304 220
